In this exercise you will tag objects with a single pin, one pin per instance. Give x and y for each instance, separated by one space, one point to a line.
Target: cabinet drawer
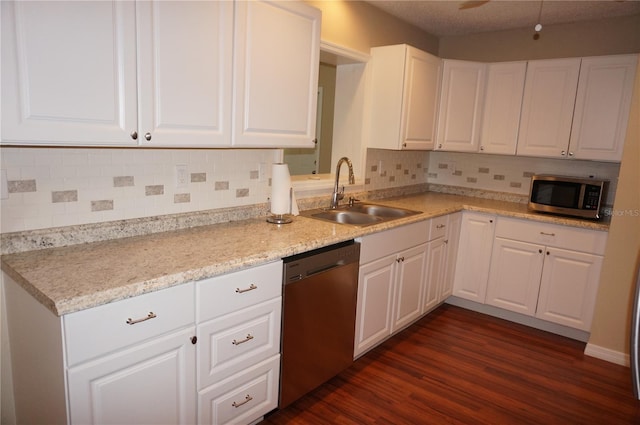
238 340
234 291
559 236
389 242
100 330
438 227
244 397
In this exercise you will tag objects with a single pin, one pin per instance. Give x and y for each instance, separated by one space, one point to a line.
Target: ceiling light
538 26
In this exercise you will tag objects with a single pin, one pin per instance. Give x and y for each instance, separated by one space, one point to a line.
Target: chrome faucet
338 195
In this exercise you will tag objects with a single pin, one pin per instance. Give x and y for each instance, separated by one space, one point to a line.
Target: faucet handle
352 200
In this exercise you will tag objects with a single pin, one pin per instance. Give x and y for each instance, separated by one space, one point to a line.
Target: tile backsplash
51 187
511 174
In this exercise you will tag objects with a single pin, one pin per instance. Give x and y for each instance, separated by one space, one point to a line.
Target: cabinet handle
490 221
570 153
548 253
404 145
481 148
540 251
446 241
194 340
246 400
440 226
134 135
398 260
147 136
250 288
563 153
547 234
247 339
131 321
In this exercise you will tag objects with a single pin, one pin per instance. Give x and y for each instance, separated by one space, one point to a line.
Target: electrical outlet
262 170
182 176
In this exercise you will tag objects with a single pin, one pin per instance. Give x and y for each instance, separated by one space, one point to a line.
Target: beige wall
594 38
360 26
611 326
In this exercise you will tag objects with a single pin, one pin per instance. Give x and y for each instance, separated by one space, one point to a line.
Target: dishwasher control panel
307 264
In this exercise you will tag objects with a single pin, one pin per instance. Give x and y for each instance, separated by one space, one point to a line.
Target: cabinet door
151 383
276 57
474 256
184 66
420 99
514 278
547 107
569 287
410 281
437 252
68 73
461 105
375 298
452 240
502 106
602 107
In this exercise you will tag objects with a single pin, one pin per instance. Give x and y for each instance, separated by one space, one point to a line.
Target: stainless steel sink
364 214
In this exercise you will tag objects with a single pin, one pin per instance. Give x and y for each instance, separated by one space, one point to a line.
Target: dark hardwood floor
460 367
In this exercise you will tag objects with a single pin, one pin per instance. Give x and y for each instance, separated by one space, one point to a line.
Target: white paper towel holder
282 218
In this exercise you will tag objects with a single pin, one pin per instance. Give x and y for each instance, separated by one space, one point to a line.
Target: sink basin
360 214
381 210
347 217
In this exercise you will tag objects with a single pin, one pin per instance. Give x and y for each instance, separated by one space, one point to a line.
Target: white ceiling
444 18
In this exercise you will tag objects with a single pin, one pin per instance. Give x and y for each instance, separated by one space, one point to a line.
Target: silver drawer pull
247 339
131 321
246 400
547 234
250 288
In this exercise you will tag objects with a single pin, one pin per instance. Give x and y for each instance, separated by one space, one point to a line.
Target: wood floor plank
461 367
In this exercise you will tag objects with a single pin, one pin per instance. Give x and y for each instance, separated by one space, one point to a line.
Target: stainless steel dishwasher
319 316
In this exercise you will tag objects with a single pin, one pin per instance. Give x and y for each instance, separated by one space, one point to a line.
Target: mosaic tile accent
374 168
483 170
457 173
21 186
221 185
242 193
398 166
367 181
64 196
515 184
254 175
180 198
442 166
498 177
528 174
154 190
123 181
472 180
406 172
392 179
432 175
198 177
103 205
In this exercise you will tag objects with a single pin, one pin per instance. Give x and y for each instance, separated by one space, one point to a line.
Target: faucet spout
337 194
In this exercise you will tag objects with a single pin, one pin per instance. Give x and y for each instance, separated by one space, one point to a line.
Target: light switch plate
4 187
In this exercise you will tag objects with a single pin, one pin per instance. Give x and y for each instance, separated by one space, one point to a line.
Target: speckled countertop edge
77 277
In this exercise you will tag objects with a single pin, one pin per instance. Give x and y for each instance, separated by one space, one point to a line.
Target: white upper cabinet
460 112
68 73
405 87
277 52
502 106
602 107
159 73
184 72
547 107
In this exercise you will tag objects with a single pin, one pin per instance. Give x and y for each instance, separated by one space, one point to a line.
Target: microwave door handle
583 189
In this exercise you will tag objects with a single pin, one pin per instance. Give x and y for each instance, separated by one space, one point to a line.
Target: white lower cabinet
390 283
547 271
151 382
404 273
474 256
204 352
238 328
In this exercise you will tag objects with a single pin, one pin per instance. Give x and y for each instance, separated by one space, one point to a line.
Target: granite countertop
78 277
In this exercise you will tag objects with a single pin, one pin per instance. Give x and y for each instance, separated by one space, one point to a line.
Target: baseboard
607 354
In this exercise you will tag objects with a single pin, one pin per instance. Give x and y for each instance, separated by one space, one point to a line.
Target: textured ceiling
444 18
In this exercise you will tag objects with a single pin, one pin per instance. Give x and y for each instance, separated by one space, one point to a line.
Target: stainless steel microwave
574 196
